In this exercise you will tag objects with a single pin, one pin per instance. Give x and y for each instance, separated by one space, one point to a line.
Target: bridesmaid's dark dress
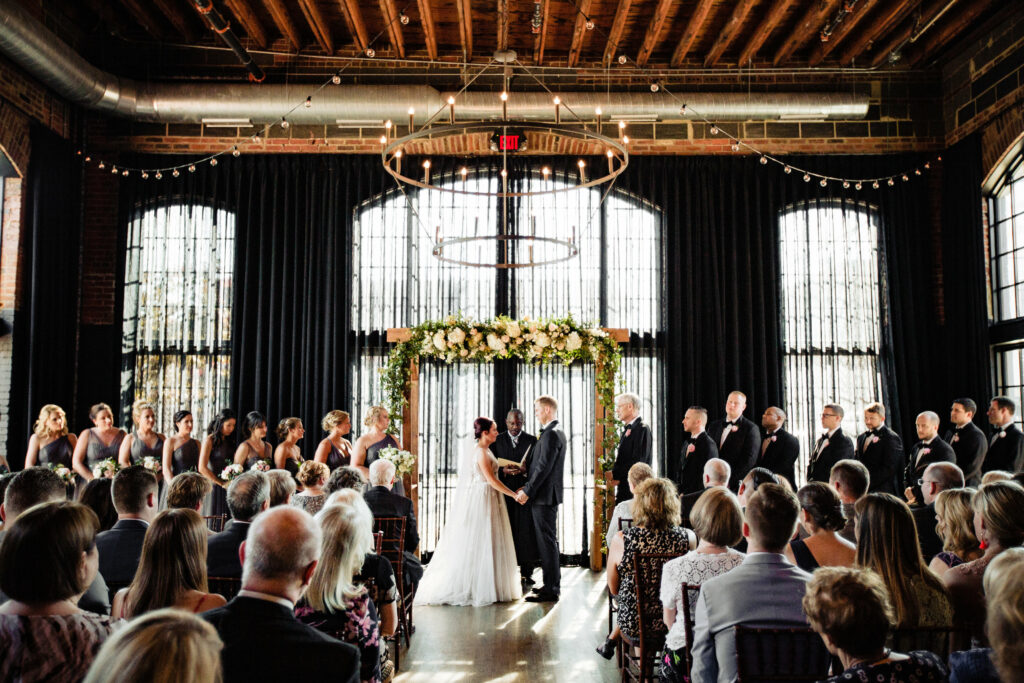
371 455
220 457
254 455
58 452
96 452
292 465
337 457
140 450
185 458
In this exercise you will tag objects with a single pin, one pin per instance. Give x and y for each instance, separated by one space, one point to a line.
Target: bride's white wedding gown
474 562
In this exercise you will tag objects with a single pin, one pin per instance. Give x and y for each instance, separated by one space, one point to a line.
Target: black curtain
46 322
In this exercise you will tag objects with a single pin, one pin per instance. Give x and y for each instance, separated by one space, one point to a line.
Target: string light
403 18
763 160
590 25
175 173
807 177
371 53
213 162
622 59
159 175
309 102
191 168
234 151
714 130
336 79
284 123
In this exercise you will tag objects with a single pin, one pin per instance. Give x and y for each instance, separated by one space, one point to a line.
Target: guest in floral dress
333 604
956 529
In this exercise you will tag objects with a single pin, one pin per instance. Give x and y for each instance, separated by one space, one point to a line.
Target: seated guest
851 480
36 485
248 496
312 475
718 522
47 560
996 475
887 544
96 496
755 478
263 641
346 477
655 530
937 477
135 496
384 503
850 610
167 645
5 479
764 590
282 487
821 515
998 524
172 569
638 472
334 604
716 473
187 491
956 529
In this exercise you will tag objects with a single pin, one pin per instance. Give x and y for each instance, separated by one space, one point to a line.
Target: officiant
513 445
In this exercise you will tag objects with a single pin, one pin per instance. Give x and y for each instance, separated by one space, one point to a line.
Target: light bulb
191 168
451 100
145 175
503 96
622 59
735 147
807 177
557 100
335 79
426 164
823 182
370 52
858 186
655 86
175 173
875 185
597 111
714 130
763 160
891 182
590 25
309 102
580 163
284 123
159 175
213 162
404 19
383 140
682 110
787 170
625 139
235 152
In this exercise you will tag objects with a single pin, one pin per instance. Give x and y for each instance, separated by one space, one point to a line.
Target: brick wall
10 257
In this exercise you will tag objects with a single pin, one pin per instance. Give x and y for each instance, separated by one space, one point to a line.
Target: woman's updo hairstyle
95 410
181 415
481 425
138 408
286 425
374 414
252 421
822 503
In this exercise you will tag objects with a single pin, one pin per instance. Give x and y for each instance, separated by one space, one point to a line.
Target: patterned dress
639 540
311 504
51 648
922 667
358 625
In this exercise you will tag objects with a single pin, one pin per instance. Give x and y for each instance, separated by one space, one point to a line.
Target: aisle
518 641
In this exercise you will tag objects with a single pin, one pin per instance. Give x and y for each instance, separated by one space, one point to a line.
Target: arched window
1006 254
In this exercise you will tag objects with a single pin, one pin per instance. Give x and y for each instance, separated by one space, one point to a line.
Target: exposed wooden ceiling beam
394 26
427 21
938 36
768 24
284 22
317 25
578 31
140 13
850 21
248 20
177 18
806 26
540 42
654 29
729 31
692 30
502 12
465 28
615 34
884 22
354 20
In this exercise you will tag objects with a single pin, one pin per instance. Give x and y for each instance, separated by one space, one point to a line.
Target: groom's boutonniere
956 437
774 439
629 430
690 449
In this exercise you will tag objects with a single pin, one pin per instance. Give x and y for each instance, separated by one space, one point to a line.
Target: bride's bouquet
231 471
402 460
105 469
153 465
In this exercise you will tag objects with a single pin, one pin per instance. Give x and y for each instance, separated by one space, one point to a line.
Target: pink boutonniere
774 439
925 451
690 449
824 444
875 439
956 437
628 431
1002 434
734 429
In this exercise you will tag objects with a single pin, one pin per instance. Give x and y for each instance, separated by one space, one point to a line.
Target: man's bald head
938 477
716 472
281 544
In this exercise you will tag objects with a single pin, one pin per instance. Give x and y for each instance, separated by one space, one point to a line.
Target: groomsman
635 444
881 451
738 439
779 449
514 444
929 449
968 441
831 447
697 449
1006 447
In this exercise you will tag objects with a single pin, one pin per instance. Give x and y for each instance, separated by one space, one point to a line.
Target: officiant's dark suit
881 451
520 517
691 476
544 488
634 446
740 448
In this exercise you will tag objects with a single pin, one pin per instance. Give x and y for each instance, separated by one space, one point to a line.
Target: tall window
615 281
831 313
1006 247
176 342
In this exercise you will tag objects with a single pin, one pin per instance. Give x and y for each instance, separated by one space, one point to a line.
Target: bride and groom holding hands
475 562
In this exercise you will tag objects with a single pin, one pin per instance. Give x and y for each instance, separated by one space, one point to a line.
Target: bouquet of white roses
231 471
402 460
66 474
152 464
106 469
260 466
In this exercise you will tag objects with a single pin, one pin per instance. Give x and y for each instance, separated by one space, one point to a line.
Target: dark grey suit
544 489
120 548
222 550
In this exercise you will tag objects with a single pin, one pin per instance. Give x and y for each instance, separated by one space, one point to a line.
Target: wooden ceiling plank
394 26
356 26
429 32
883 24
317 25
177 18
654 29
937 38
284 22
764 30
692 30
729 31
823 49
465 28
247 18
615 34
502 16
578 31
141 15
540 42
808 25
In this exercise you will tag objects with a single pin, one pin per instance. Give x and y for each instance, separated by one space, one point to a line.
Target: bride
475 560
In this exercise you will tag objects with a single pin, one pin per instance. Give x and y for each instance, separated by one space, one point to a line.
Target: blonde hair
996 475
311 471
956 521
347 538
548 401
1004 593
639 472
139 407
656 505
286 425
717 518
44 416
165 646
374 414
1000 504
333 419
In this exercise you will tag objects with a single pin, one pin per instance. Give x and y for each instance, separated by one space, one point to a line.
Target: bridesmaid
181 451
369 444
50 443
287 455
254 448
143 441
97 443
218 447
335 451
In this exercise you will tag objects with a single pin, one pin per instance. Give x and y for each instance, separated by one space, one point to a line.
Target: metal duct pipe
222 27
38 51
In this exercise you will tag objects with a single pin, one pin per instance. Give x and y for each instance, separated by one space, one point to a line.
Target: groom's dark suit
520 517
544 489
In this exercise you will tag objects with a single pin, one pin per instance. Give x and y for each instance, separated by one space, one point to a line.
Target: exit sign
508 140
508 143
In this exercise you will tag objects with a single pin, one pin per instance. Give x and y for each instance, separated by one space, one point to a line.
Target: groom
543 490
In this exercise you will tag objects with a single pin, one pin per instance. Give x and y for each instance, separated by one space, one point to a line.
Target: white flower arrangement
105 469
231 471
152 464
65 473
402 460
260 466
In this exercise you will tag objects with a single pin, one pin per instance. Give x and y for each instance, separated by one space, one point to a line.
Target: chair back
780 654
937 639
647 574
215 522
625 523
392 530
691 591
378 541
225 585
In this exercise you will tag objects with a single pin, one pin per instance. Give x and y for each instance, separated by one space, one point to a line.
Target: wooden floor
516 641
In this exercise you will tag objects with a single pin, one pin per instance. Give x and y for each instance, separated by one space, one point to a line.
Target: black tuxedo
686 503
691 474
938 451
924 518
264 642
544 489
883 458
222 550
839 447
1005 452
384 503
519 516
635 446
740 449
120 548
780 455
970 446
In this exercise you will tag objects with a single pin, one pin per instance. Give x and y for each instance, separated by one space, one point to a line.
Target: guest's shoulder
624 509
973 665
927 660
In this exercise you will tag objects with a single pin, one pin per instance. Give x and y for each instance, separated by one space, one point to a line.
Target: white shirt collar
694 436
1006 426
545 425
832 432
927 442
256 595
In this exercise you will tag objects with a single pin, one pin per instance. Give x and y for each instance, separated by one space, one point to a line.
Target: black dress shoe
607 648
528 581
542 596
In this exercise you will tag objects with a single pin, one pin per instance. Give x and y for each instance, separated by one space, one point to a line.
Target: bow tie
873 432
731 423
